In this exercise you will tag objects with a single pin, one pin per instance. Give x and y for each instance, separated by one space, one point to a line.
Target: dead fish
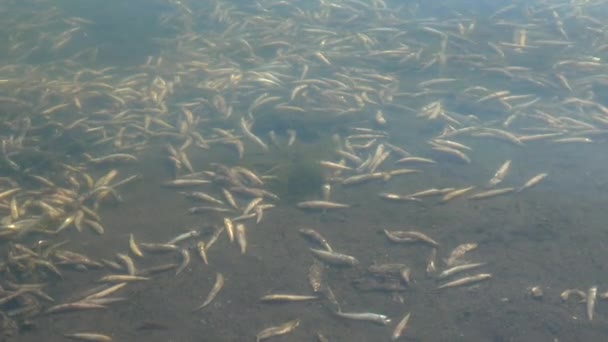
219 283
466 280
335 258
286 298
88 336
282 329
400 327
409 236
316 237
321 205
365 316
500 174
532 182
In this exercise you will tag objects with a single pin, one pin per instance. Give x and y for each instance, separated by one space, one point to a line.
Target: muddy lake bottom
553 236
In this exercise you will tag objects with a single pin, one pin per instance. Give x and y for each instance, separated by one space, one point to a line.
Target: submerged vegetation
302 177
297 170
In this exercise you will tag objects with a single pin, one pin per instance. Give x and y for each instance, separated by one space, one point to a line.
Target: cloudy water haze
298 170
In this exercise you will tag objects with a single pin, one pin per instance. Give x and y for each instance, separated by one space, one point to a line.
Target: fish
95 226
431 192
282 329
326 191
254 192
128 262
230 199
186 182
500 174
88 336
111 158
250 176
409 236
245 217
241 237
213 238
365 316
133 247
453 152
491 193
398 150
573 140
458 252
205 209
532 182
76 306
321 337
121 278
494 95
229 227
321 205
415 160
455 193
591 298
217 287
202 251
158 247
379 118
252 204
398 172
185 261
503 135
431 261
105 292
315 276
335 258
396 197
400 327
386 269
187 235
316 237
457 269
252 137
334 166
452 144
347 155
287 298
466 280
202 197
364 178
565 295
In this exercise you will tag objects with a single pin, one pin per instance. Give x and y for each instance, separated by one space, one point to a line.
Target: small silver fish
335 258
365 316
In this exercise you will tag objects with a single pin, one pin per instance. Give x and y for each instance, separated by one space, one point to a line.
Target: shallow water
550 236
216 55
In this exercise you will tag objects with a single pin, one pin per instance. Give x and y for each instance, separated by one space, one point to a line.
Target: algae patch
299 175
